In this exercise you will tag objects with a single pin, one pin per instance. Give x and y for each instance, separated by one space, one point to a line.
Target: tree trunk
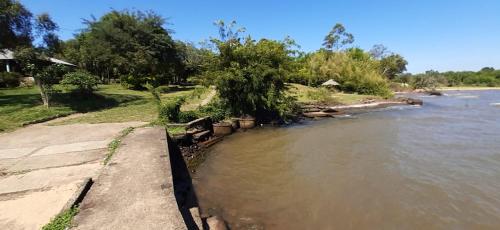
43 93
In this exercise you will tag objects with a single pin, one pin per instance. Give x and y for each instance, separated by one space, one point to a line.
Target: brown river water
430 167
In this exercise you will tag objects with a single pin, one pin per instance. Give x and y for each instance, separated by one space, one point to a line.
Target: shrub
80 82
214 110
10 79
187 116
321 95
354 74
170 111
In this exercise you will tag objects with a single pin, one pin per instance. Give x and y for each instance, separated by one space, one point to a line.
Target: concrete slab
16 153
73 147
41 166
137 183
56 160
40 179
34 210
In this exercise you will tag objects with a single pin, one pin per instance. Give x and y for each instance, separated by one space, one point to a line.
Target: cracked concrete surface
42 166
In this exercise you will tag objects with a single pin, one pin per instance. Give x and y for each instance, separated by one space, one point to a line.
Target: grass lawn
307 94
112 103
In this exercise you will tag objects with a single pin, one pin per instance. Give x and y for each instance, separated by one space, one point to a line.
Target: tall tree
379 51
337 38
15 25
393 65
132 45
46 29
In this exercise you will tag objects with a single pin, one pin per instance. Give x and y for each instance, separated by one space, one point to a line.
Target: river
430 167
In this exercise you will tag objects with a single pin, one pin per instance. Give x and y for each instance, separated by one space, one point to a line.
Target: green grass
113 145
62 221
173 130
111 103
307 94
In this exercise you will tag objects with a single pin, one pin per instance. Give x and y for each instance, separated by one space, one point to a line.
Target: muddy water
434 167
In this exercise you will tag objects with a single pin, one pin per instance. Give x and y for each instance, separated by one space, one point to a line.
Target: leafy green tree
337 38
392 65
134 46
354 70
80 82
15 25
251 75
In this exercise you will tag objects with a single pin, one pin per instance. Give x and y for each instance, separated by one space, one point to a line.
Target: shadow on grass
77 103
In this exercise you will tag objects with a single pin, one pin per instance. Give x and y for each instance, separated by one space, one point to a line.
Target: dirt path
209 97
42 166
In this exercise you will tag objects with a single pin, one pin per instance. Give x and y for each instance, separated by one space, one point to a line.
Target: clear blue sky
431 34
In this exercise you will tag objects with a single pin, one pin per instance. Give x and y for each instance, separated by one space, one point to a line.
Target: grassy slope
112 103
301 92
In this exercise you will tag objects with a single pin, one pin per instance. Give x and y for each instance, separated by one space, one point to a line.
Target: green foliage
337 38
80 82
250 76
134 46
355 72
10 79
171 110
15 24
187 116
392 65
486 77
62 221
214 110
321 95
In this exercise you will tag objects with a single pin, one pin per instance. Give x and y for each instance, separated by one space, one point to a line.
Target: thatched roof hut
330 83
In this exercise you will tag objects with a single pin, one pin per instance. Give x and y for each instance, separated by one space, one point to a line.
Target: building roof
9 55
6 54
330 82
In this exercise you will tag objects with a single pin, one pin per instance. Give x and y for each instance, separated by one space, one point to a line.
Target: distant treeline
487 76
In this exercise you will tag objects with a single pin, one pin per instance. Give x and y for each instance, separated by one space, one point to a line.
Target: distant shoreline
467 88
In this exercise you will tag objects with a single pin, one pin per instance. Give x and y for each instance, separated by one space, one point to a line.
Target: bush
187 116
170 111
214 110
354 74
80 82
10 79
322 95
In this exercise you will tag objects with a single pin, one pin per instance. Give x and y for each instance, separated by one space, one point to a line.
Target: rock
317 114
216 223
413 101
434 93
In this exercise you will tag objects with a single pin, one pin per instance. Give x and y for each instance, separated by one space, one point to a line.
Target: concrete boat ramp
43 168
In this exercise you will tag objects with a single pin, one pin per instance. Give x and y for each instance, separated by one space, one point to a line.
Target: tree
250 76
46 28
15 25
34 63
337 38
134 46
392 65
379 51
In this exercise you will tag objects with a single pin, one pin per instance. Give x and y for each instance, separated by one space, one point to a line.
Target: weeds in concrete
113 145
63 220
